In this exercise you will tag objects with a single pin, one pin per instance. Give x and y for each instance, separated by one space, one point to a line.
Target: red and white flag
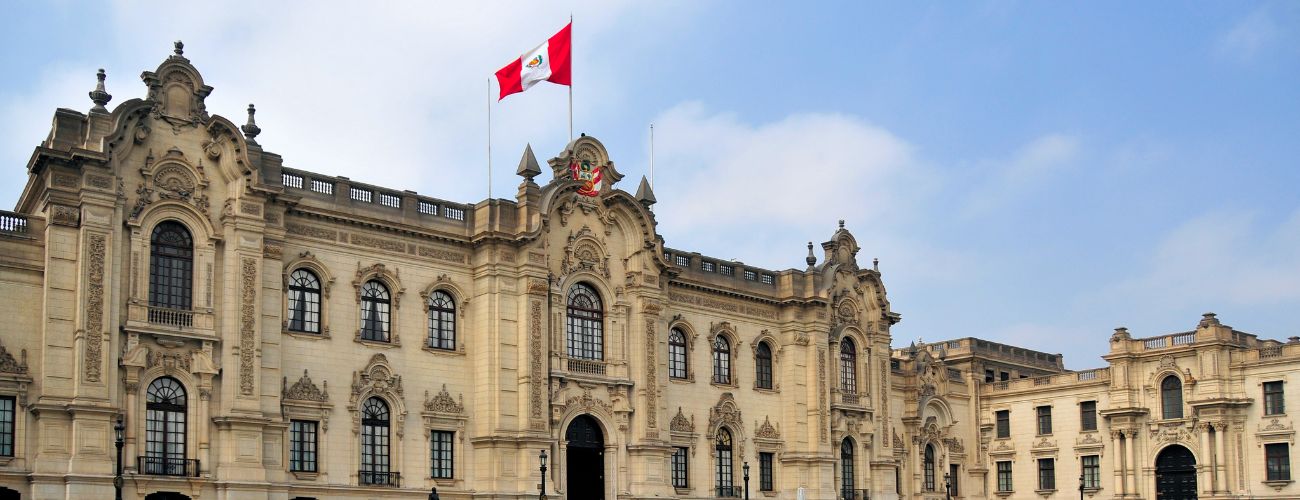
548 62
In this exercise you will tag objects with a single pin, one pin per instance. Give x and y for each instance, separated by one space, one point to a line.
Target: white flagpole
570 77
652 156
489 136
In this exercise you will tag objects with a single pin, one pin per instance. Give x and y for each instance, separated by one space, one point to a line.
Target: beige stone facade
271 333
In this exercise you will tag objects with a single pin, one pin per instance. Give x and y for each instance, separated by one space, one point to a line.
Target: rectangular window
441 454
302 446
1044 420
1277 459
765 469
680 476
1004 476
1088 415
1273 397
7 415
750 275
952 480
1004 424
1004 376
683 261
1091 471
706 266
1046 473
989 376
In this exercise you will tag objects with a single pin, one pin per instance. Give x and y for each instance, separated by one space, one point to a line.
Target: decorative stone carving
305 390
273 249
652 379
583 252
1044 443
1275 425
170 360
96 246
444 403
954 445
62 215
247 323
587 402
1171 433
823 414
725 412
1088 439
766 430
67 181
390 279
376 378
9 365
681 424
801 338
537 373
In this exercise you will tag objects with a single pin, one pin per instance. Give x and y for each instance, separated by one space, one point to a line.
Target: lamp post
947 486
1080 486
746 480
119 429
542 495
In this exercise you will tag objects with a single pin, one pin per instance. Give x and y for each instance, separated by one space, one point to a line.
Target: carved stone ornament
247 324
588 402
898 442
1172 433
9 365
766 430
444 403
1044 443
725 412
583 252
1088 440
62 215
390 279
170 360
1004 445
305 390
376 378
1275 425
172 178
681 424
94 329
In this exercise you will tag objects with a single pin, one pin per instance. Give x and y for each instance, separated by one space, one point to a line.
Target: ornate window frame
681 433
308 261
378 379
460 302
443 413
690 335
391 280
14 381
728 332
305 401
765 336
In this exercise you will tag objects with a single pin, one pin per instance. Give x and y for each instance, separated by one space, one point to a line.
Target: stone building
264 332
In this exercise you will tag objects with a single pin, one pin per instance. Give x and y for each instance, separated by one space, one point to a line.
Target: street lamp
947 485
1080 486
746 480
542 495
119 429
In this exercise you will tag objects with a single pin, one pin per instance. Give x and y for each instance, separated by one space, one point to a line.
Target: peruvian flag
549 61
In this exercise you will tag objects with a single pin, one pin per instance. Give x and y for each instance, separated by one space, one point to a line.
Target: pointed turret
644 193
528 167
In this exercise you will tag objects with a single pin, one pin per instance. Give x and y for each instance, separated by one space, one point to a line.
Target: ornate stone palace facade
269 333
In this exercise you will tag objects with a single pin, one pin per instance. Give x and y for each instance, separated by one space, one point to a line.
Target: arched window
171 266
374 311
304 301
442 321
374 443
928 466
763 366
847 479
1171 397
586 323
724 473
721 360
677 353
848 367
164 452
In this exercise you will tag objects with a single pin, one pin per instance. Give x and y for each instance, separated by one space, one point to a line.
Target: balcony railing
12 223
855 494
586 366
728 491
168 466
371 478
850 398
177 318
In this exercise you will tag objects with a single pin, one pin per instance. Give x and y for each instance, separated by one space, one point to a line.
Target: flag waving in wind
550 62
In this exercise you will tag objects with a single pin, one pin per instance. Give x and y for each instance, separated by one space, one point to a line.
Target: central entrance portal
586 459
1175 474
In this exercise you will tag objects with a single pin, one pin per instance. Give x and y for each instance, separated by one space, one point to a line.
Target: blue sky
1035 173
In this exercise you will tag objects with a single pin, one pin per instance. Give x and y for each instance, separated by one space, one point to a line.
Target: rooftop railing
13 223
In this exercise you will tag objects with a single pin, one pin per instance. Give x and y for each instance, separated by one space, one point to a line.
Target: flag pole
652 156
570 77
489 137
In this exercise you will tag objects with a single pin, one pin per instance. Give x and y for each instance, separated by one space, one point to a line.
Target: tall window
676 354
1277 460
1004 424
171 266
763 366
721 360
848 367
847 481
765 471
304 301
1273 398
165 428
952 479
7 415
1004 476
586 323
302 446
1044 420
1046 474
723 475
442 321
374 311
1171 397
1091 471
374 443
1088 415
928 467
442 454
681 468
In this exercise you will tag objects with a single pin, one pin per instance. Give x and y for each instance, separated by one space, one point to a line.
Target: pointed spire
528 167
251 129
100 96
179 48
811 259
644 193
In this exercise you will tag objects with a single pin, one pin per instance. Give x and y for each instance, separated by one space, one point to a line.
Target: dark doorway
8 494
1175 474
166 495
586 459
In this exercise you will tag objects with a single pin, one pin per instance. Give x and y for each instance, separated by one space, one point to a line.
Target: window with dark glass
375 305
165 429
1171 397
763 366
1273 398
1088 415
847 479
989 376
1091 471
765 471
723 473
302 446
304 301
1044 420
1004 476
442 321
848 366
442 454
721 360
1004 376
171 266
681 468
374 443
1046 474
1277 461
7 416
927 467
1004 423
586 323
952 479
677 354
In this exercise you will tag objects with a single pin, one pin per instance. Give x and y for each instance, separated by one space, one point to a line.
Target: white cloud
1248 36
1033 165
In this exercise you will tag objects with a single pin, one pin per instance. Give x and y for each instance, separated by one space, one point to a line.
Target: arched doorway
166 495
586 459
1176 474
8 494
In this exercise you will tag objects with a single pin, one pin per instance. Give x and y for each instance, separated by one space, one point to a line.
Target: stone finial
528 167
251 129
841 223
100 96
875 264
1208 319
178 48
1121 333
810 259
1293 340
644 193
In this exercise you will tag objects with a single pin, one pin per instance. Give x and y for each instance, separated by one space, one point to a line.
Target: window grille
707 266
848 366
724 474
768 279
453 213
847 479
683 261
726 270
389 200
427 208
1171 397
323 187
1277 461
750 275
292 180
362 195
1091 471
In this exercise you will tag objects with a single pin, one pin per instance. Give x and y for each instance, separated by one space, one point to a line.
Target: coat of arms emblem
589 175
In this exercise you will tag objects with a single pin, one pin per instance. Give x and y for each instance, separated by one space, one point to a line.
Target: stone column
1205 474
1220 465
1135 489
1117 454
